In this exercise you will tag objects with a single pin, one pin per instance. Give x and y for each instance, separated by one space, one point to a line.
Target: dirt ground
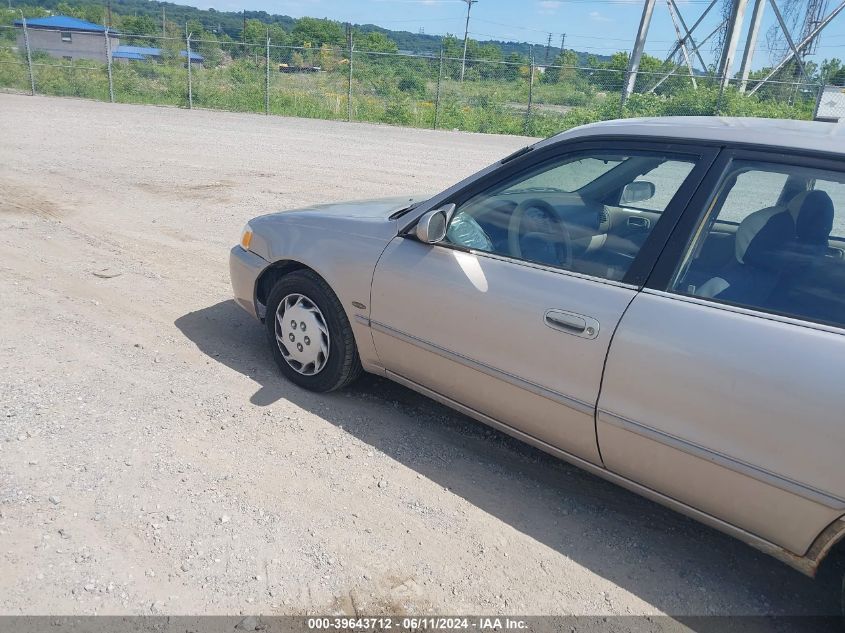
152 460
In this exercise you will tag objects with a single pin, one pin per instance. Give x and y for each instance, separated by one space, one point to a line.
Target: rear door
521 336
732 400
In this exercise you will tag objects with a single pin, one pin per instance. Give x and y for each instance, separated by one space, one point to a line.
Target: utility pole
466 34
108 13
548 47
562 42
751 43
639 47
731 40
163 23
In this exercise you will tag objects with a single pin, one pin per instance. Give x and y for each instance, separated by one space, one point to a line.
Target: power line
589 37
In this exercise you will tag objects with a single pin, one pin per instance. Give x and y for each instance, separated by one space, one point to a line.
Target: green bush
398 90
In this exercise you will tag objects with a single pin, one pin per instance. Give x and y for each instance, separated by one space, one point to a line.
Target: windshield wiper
516 154
399 213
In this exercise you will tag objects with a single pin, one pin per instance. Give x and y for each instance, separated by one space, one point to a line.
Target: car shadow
673 563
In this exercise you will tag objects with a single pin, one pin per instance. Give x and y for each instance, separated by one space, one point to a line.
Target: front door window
588 213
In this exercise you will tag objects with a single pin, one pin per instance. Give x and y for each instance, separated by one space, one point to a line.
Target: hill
232 24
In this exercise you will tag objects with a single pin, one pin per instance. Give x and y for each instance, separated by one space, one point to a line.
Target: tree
374 41
88 12
327 58
832 71
515 62
564 68
257 32
138 25
316 32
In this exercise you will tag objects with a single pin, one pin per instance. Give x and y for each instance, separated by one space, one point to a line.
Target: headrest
795 203
752 225
814 220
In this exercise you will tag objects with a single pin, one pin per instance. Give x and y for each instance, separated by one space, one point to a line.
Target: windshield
569 177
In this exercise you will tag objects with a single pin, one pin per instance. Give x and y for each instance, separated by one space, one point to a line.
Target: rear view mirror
431 227
637 192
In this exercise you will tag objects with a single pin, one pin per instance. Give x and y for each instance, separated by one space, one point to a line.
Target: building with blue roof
148 53
68 38
62 22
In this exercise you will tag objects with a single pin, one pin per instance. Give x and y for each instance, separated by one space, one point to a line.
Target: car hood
331 225
377 208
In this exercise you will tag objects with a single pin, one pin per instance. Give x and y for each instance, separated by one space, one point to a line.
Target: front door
511 315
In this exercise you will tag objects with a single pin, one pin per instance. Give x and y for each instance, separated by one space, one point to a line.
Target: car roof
787 134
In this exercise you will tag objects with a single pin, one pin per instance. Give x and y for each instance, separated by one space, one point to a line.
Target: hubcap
302 334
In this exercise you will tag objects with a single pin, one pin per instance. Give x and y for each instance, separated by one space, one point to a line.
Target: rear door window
786 254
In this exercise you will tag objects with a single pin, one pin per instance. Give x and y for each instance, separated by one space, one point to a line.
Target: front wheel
309 333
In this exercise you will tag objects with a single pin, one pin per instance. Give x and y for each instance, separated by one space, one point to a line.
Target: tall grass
398 91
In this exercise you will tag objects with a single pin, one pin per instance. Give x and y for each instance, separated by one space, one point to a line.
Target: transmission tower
816 10
804 18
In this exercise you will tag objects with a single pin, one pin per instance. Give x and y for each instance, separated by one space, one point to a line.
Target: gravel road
152 460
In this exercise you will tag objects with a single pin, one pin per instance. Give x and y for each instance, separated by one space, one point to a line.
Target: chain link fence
345 83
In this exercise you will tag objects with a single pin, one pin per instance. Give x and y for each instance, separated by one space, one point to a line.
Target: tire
305 290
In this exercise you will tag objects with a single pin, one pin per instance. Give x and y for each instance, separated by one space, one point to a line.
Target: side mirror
637 192
431 227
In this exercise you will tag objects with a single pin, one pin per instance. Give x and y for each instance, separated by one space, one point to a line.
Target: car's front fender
343 251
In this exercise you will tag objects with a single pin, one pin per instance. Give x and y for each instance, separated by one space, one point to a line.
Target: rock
224 519
150 573
63 533
54 500
171 517
186 566
382 483
106 274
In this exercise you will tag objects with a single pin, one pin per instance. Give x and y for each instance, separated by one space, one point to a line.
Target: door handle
572 323
638 223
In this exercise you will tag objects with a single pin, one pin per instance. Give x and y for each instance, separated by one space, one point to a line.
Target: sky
594 26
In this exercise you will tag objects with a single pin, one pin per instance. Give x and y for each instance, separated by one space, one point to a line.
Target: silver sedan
660 302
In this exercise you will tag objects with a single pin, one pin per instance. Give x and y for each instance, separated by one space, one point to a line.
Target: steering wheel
563 243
